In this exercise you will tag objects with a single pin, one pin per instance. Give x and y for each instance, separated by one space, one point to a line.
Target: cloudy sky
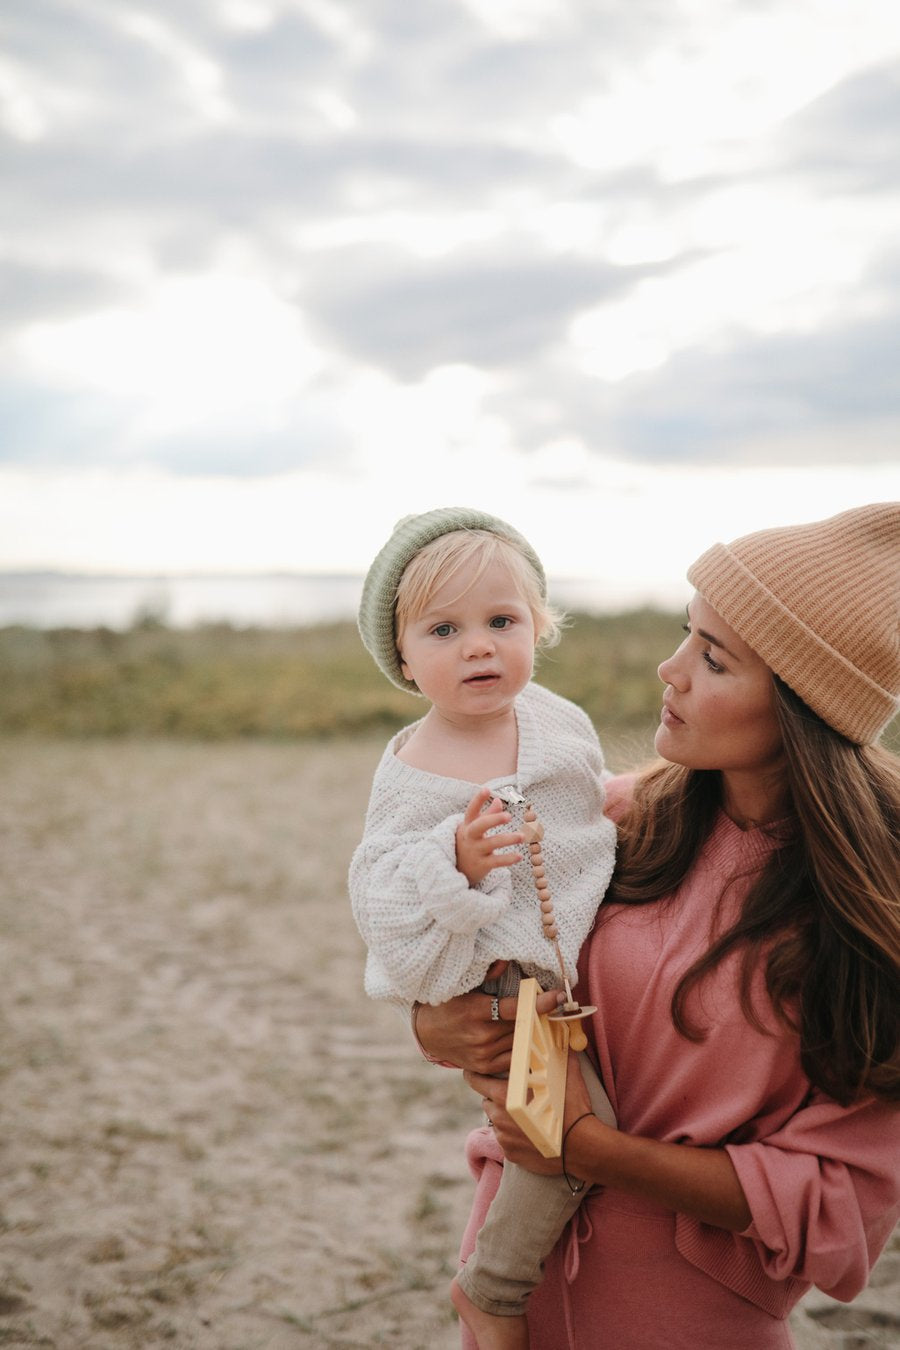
277 272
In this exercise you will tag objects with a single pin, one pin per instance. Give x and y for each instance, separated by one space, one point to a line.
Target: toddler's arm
425 927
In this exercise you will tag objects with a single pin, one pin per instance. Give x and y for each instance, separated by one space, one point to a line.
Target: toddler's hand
476 850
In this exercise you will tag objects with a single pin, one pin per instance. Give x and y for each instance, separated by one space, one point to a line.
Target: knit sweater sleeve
824 1192
418 915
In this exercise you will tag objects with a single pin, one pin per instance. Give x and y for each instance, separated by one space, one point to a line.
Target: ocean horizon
49 599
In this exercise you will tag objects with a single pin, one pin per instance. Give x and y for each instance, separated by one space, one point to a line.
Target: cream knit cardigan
429 934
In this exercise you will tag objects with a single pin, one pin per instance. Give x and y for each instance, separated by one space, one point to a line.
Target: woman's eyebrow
717 642
709 637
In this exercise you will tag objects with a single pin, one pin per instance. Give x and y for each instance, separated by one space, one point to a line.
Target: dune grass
218 683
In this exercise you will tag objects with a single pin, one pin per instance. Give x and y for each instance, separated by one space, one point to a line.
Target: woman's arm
700 1182
461 1032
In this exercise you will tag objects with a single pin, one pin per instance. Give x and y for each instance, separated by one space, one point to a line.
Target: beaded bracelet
576 1190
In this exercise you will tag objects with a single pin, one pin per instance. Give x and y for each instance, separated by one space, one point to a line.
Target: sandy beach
211 1139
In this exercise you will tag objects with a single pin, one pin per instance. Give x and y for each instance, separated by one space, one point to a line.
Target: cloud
396 189
251 452
45 427
43 424
823 393
32 292
488 307
826 396
797 398
181 111
849 139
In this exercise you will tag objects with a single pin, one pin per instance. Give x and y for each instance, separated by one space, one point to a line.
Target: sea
69 600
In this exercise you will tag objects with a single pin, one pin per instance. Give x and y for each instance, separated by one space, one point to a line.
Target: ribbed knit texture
410 535
430 935
820 604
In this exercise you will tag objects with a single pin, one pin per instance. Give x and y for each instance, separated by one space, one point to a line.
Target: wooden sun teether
536 1091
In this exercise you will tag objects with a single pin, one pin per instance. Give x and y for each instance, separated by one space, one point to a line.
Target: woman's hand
516 1145
461 1031
687 1179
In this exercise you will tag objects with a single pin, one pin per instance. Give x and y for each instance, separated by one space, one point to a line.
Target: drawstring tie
578 1230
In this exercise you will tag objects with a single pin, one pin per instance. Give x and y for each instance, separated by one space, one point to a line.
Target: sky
276 273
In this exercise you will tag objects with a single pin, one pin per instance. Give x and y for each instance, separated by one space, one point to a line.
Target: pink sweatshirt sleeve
824 1192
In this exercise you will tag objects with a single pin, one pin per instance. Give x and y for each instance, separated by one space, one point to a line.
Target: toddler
453 608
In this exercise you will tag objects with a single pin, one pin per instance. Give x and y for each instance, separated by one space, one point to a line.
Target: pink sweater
822 1181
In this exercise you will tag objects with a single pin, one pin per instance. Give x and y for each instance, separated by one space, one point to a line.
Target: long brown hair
829 892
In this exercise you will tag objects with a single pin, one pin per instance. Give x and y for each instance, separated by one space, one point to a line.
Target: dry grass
222 683
210 1139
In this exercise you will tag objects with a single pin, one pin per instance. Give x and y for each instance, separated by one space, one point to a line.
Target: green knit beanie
412 533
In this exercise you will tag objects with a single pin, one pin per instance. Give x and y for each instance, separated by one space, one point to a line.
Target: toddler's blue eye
442 629
501 621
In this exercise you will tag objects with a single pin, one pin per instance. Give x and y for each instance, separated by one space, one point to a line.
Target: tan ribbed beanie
820 604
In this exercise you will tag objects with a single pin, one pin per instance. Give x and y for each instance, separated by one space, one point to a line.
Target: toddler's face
472 650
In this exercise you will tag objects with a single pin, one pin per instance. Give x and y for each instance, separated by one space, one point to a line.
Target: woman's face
719 705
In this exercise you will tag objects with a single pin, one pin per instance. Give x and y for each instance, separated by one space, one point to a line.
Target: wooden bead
533 832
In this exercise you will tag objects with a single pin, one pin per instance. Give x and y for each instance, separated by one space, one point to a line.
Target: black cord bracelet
576 1190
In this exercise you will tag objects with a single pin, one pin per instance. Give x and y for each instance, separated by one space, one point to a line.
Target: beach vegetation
218 682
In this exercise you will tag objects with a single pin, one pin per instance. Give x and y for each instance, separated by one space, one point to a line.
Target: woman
745 968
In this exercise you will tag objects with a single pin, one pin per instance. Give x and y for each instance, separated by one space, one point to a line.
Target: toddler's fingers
503 860
473 810
498 841
479 828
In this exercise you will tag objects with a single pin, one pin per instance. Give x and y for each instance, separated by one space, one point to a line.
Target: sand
211 1140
